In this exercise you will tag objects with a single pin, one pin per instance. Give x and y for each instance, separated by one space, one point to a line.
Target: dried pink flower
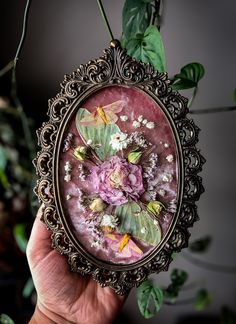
115 180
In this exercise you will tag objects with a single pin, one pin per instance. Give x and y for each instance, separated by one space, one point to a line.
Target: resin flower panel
118 174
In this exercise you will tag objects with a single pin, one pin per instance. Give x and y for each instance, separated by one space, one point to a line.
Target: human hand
63 296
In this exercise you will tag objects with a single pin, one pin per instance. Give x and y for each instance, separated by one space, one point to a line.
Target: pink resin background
137 103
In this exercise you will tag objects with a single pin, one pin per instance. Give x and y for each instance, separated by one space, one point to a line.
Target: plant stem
6 68
19 107
23 33
190 102
208 265
181 302
103 13
212 110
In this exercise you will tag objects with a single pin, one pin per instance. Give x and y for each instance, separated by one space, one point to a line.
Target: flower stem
103 13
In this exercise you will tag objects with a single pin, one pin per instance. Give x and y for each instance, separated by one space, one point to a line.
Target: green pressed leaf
150 298
5 319
188 77
28 288
134 18
148 48
138 223
200 245
228 316
178 277
20 236
203 299
100 135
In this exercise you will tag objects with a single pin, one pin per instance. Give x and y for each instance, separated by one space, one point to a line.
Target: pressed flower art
118 170
118 174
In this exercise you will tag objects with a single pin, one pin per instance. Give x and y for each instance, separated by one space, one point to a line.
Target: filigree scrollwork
50 218
44 164
47 136
116 67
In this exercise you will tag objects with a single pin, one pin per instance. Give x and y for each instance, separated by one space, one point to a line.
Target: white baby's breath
124 118
136 124
170 158
118 141
150 125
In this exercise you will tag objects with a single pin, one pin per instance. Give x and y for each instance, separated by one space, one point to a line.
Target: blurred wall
64 34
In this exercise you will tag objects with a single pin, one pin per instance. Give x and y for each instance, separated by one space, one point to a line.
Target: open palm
62 296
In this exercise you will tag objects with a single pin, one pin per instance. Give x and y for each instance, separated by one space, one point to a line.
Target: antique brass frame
115 67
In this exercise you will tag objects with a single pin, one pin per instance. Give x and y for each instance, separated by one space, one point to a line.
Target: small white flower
67 167
162 192
68 197
124 118
118 141
67 177
95 244
167 177
89 142
170 158
140 118
150 125
109 220
166 145
144 122
136 124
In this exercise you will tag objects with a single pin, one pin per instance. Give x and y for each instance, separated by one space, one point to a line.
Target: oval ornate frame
115 67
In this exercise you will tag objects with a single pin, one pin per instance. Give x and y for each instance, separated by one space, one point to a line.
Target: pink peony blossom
115 180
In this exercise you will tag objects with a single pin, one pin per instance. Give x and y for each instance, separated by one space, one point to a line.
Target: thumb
39 244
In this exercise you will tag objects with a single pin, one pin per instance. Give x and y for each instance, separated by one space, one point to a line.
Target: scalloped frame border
115 67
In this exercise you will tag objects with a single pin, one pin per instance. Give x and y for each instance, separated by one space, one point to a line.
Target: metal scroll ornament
118 170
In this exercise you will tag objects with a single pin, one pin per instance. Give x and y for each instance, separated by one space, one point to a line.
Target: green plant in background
141 21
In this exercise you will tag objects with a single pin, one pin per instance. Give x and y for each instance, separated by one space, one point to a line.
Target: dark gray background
64 34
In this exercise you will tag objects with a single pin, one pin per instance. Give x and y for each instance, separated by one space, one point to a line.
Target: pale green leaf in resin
138 223
100 136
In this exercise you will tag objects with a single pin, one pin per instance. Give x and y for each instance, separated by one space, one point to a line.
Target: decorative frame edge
115 67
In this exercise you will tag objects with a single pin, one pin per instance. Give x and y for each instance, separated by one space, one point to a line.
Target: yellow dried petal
102 114
108 229
124 242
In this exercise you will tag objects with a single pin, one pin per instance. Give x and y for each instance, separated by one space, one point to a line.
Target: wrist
43 316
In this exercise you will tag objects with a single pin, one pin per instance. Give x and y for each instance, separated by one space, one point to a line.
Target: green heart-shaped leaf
188 77
100 136
138 223
134 18
150 298
148 48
